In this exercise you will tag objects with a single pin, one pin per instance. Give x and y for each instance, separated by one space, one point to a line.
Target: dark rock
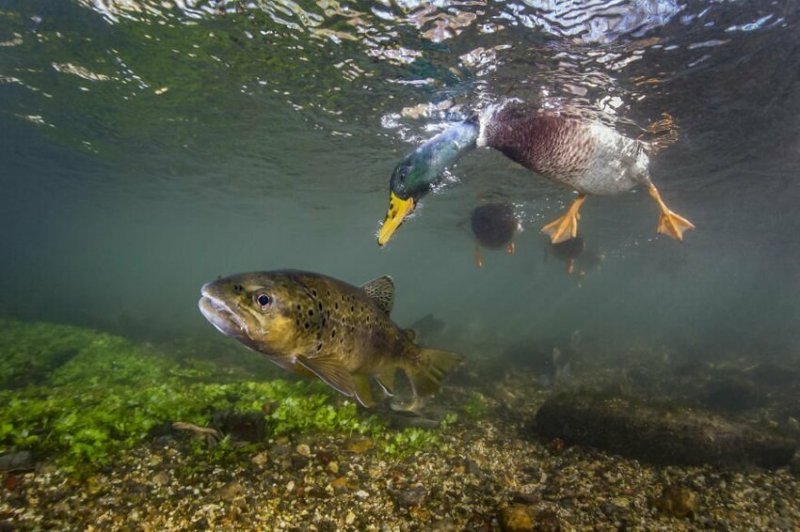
244 426
413 496
201 524
479 522
19 461
661 434
526 498
547 521
473 468
732 395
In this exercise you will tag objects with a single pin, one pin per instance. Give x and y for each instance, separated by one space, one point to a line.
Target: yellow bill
398 210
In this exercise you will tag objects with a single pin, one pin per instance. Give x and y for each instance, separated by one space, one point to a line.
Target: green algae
111 394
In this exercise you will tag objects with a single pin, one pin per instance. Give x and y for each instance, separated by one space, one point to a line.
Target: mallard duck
494 226
585 155
575 254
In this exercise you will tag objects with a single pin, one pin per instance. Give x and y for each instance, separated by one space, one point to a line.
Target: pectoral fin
364 390
386 381
331 372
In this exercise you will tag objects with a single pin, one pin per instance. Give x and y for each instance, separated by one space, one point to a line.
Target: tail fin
434 365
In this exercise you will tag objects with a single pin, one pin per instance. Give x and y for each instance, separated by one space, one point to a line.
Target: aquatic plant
409 442
475 406
112 393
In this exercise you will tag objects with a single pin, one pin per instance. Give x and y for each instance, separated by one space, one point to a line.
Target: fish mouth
219 314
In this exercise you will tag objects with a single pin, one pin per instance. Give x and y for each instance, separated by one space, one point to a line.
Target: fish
318 326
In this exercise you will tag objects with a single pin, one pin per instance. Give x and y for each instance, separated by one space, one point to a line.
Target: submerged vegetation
91 395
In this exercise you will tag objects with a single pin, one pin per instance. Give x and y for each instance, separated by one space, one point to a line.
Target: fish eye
263 300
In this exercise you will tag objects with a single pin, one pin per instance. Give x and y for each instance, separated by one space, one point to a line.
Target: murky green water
150 147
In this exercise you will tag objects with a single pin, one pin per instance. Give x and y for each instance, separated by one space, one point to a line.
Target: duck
494 226
585 155
575 254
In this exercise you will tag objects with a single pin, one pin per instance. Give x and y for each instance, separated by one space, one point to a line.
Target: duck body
585 155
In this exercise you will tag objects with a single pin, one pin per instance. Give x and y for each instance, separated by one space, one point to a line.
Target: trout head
261 310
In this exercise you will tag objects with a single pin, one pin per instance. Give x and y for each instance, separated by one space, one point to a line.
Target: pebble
350 518
18 461
413 496
161 478
260 459
359 445
230 491
303 450
516 518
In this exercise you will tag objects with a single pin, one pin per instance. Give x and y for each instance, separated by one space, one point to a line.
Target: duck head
421 170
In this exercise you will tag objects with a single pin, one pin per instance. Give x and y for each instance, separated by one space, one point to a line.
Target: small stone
155 460
359 445
361 494
413 496
339 483
350 518
677 501
19 461
260 459
230 491
547 521
516 518
303 450
333 467
621 502
161 478
290 486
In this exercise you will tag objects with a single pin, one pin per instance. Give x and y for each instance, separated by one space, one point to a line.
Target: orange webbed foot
565 227
669 223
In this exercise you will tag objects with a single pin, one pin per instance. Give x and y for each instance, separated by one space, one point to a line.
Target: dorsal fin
381 291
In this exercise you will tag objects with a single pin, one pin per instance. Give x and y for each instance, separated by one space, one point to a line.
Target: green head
421 170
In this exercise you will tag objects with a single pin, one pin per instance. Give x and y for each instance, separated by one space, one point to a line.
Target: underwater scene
399 265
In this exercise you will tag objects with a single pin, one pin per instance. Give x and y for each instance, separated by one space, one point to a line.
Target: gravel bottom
488 474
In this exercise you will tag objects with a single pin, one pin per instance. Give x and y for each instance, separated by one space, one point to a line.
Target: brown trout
319 326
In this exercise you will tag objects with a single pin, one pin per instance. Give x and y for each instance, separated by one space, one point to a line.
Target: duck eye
263 300
404 171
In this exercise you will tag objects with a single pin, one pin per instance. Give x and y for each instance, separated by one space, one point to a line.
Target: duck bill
398 210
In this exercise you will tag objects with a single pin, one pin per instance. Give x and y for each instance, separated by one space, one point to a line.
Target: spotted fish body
317 325
584 154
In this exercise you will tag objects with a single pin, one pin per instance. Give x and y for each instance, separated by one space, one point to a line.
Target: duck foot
478 257
511 248
566 227
669 223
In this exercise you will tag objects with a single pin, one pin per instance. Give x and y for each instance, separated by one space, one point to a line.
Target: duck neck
448 146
